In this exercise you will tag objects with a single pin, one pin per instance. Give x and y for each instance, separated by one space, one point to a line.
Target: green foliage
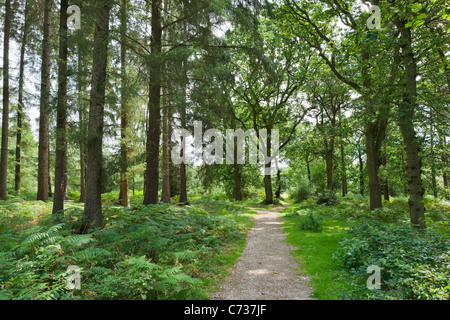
302 191
328 198
310 221
414 264
146 252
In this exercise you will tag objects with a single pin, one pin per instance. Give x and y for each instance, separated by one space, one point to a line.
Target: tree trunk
49 191
82 172
183 178
61 114
237 180
165 191
81 126
308 167
154 106
124 187
444 159
329 150
361 173
385 182
407 110
433 163
344 172
278 191
267 173
20 99
93 205
372 168
375 135
5 119
44 109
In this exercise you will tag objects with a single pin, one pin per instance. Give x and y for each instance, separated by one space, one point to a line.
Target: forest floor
266 270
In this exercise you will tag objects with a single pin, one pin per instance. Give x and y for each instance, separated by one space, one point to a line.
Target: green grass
315 250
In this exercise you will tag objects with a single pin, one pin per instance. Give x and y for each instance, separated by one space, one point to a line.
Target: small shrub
328 198
310 222
303 191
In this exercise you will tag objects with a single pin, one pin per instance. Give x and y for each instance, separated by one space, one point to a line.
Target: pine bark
183 178
154 108
20 117
5 119
81 126
44 109
61 114
124 185
93 205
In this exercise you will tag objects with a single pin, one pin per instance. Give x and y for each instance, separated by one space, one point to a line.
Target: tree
154 108
93 204
5 114
124 102
44 109
61 114
20 102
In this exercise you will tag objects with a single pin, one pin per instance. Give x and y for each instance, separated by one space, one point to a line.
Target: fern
90 254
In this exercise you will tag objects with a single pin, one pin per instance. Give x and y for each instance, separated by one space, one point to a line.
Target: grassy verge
336 244
315 250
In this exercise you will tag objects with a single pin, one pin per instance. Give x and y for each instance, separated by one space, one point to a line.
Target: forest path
265 270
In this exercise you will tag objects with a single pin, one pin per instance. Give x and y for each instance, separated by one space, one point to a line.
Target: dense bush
414 264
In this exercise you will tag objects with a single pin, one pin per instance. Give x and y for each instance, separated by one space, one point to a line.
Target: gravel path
265 270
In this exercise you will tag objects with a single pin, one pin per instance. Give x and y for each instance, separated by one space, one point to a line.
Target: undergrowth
414 263
145 252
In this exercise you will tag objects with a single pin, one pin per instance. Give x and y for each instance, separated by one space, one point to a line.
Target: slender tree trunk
49 191
154 106
44 110
329 150
375 135
183 178
237 180
344 172
385 182
308 167
82 172
5 119
444 159
361 173
20 99
433 162
61 114
165 192
93 205
268 176
81 126
125 192
372 167
413 162
278 191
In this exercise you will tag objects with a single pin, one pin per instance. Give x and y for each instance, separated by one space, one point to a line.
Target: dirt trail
266 270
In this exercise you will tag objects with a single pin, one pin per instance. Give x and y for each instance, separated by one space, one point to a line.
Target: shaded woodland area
88 114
